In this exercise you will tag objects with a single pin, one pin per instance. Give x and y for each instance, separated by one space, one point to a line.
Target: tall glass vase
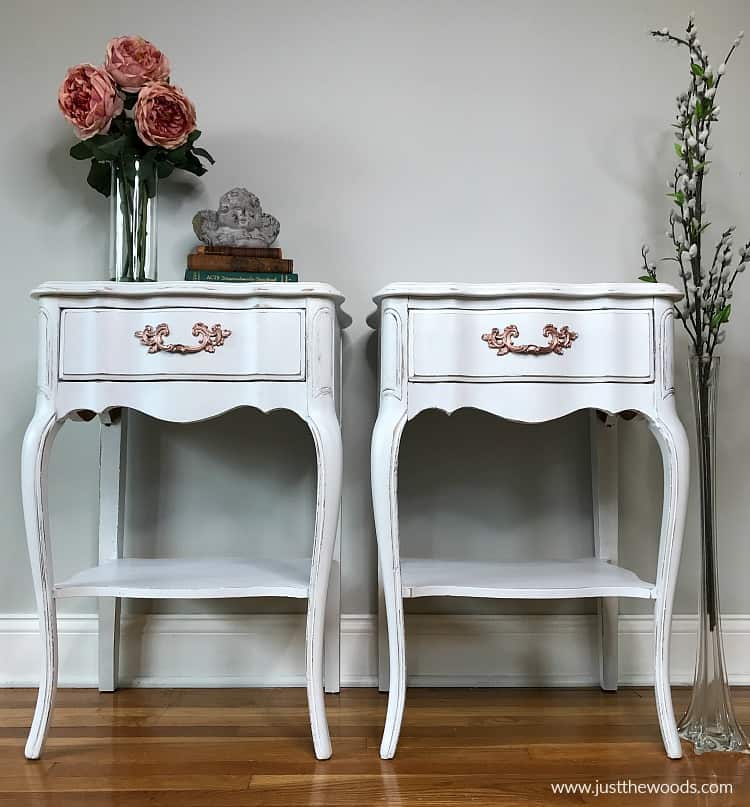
709 722
132 222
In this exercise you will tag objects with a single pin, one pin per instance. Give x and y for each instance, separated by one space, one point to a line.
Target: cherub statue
239 222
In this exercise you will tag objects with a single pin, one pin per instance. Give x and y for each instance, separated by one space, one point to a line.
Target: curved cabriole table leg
326 432
385 445
37 443
673 444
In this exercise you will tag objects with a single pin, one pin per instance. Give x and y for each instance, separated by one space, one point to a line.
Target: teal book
240 277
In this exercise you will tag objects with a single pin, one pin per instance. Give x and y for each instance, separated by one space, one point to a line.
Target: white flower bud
693 251
692 183
664 31
721 337
742 267
710 93
685 257
701 150
692 142
722 69
709 71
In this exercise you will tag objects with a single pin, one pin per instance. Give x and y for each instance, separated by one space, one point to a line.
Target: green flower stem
126 207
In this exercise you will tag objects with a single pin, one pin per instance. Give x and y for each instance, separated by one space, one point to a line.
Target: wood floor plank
240 747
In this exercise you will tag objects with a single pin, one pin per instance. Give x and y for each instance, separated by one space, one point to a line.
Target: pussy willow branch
706 307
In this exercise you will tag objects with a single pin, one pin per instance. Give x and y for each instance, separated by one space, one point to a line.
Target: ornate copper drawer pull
208 338
502 341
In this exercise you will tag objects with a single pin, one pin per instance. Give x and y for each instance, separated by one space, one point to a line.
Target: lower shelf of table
586 577
164 578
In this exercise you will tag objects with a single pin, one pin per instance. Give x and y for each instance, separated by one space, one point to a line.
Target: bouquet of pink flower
126 112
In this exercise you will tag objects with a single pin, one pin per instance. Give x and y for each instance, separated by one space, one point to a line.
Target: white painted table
530 353
185 352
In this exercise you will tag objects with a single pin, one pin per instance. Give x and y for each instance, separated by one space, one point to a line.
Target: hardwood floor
224 748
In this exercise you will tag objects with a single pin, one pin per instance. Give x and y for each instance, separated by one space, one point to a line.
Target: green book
240 277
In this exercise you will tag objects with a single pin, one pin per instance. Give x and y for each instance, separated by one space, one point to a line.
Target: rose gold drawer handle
208 338
502 341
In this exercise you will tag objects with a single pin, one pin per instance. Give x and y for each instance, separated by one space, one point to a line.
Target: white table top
485 291
182 288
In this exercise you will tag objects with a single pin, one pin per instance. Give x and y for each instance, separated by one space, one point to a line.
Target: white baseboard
267 650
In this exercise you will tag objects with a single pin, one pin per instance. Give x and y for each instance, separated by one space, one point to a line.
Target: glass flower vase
709 722
132 222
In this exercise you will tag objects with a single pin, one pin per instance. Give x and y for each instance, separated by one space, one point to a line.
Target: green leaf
709 82
697 69
679 197
678 149
721 316
100 177
193 136
112 148
647 279
81 151
164 169
699 110
201 152
704 227
178 155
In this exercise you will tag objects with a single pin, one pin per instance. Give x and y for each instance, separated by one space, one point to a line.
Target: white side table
529 353
184 352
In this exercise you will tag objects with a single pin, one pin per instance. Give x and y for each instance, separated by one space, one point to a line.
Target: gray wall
474 141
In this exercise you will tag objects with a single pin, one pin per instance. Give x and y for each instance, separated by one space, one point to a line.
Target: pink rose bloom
164 116
133 62
89 100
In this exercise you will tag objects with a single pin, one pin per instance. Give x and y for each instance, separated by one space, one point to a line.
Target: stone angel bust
239 222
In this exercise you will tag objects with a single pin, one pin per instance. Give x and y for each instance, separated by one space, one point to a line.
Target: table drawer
528 344
182 343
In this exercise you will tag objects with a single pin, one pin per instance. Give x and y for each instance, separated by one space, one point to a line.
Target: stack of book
239 265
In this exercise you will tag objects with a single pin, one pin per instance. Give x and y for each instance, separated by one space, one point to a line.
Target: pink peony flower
164 116
133 62
89 100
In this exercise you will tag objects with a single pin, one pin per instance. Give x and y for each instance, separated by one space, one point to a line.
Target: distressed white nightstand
185 352
529 353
